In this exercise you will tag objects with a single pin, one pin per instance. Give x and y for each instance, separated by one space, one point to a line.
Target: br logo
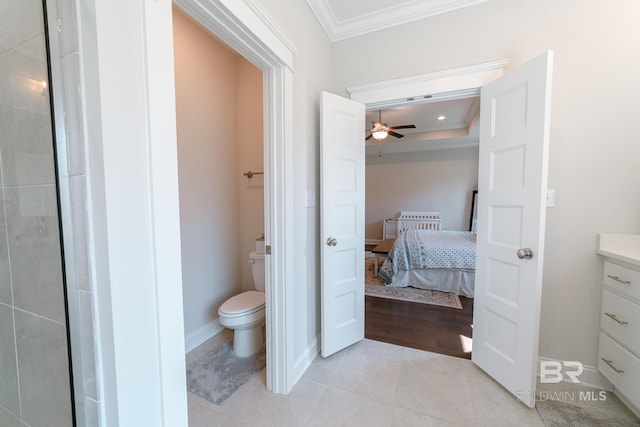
551 371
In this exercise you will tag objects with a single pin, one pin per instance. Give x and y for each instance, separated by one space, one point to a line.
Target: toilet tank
257 270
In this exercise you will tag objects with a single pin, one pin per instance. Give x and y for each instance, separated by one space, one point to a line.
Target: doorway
515 121
241 28
456 84
431 167
219 115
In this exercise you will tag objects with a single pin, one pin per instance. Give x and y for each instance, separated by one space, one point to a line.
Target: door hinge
267 249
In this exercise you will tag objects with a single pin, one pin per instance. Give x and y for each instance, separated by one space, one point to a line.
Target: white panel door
512 184
342 222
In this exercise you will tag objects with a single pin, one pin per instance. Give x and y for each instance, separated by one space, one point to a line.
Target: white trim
133 210
247 29
445 85
381 18
164 227
202 334
633 408
590 377
273 27
372 242
306 358
456 83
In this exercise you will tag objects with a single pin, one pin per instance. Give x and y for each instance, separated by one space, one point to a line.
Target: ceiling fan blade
403 127
396 134
368 137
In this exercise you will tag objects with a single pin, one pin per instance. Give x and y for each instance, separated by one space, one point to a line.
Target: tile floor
373 384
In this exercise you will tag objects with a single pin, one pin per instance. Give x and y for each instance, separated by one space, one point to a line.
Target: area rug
556 414
374 286
219 373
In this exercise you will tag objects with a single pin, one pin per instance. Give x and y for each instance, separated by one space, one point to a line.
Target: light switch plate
310 199
551 197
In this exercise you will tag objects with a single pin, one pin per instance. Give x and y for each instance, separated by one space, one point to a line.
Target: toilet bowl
245 312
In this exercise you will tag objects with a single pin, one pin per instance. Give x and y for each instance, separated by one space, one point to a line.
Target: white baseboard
633 408
202 334
305 359
590 377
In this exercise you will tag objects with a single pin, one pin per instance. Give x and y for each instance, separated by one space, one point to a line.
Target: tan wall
219 123
437 180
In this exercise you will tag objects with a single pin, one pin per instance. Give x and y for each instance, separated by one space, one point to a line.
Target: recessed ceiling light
441 117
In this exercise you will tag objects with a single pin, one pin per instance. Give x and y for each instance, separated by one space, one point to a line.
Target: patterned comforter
427 249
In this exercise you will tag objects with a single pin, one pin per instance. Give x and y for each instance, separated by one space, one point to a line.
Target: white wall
435 180
312 65
129 135
219 123
593 151
130 132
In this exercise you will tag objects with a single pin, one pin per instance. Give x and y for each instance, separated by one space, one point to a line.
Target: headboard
419 220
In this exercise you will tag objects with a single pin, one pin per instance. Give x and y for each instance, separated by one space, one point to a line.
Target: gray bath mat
562 414
219 373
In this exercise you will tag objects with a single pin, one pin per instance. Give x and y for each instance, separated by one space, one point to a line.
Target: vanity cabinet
619 342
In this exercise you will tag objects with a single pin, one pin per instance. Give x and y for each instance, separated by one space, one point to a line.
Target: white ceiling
342 19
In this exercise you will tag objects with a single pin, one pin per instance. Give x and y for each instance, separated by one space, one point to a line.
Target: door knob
331 241
525 253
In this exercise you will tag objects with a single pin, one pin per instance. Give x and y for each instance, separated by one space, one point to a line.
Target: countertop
622 247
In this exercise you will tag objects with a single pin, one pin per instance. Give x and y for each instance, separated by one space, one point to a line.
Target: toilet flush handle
252 261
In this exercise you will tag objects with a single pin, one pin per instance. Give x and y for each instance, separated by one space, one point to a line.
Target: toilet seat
242 304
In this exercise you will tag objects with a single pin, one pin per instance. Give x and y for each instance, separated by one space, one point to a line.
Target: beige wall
312 65
436 180
593 150
219 124
250 158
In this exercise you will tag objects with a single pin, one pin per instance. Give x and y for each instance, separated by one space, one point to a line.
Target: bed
432 259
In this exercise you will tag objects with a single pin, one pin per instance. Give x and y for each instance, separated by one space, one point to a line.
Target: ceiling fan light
380 134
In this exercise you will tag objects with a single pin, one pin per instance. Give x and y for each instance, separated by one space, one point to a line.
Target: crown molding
271 24
382 18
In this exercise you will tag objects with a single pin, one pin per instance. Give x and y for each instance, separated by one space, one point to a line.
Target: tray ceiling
457 129
344 19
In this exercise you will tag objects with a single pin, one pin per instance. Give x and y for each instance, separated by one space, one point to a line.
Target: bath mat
374 286
219 373
559 414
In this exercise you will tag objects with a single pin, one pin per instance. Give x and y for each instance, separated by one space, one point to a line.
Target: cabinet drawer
623 279
619 358
621 319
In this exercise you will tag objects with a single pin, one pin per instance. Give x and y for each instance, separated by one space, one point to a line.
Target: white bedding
457 281
438 260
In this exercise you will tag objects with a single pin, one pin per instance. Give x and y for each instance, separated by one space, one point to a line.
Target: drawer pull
610 363
615 319
618 279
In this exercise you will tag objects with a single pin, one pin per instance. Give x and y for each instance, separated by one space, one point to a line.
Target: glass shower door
35 383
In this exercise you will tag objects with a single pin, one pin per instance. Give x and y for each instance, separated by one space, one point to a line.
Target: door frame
446 85
247 29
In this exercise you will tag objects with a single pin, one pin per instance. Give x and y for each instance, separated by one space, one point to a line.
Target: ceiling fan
381 130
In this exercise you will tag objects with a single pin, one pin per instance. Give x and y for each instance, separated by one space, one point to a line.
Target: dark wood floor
421 326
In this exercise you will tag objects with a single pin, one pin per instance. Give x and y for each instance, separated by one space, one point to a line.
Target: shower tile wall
34 362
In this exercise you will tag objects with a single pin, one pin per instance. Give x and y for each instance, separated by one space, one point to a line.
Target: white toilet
244 313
